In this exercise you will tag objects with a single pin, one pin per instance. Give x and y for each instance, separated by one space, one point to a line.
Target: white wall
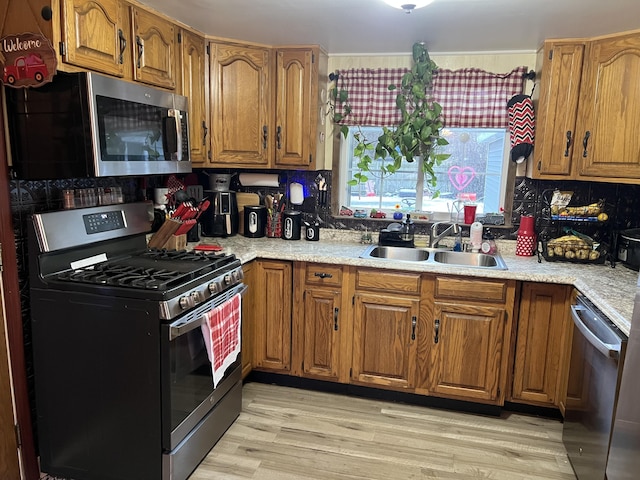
491 62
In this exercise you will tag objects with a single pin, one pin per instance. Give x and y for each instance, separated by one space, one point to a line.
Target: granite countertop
612 290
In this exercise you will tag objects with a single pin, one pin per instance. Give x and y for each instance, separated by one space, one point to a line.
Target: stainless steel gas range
123 382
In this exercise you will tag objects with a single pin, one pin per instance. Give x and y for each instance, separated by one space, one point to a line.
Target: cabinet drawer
389 281
471 289
321 274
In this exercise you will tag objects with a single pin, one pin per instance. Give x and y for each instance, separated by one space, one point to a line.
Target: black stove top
157 270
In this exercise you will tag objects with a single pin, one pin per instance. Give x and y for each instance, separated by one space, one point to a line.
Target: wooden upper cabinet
609 113
299 120
194 84
561 65
240 105
154 49
588 113
94 36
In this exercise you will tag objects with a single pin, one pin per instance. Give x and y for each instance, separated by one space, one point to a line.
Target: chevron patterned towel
522 122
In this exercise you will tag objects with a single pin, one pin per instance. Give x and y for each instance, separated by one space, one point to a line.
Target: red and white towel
221 329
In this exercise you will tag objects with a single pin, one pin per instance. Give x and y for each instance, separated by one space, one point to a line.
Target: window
475 172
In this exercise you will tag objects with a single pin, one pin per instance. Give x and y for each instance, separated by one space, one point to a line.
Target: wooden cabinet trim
382 280
475 289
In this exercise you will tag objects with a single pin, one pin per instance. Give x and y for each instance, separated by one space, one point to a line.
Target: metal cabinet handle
566 150
323 275
437 328
205 132
279 137
414 321
336 311
123 45
140 45
585 142
265 136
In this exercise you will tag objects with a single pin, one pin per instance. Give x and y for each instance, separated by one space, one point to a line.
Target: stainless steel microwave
90 125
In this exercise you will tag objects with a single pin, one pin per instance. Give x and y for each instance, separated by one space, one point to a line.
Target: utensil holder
274 225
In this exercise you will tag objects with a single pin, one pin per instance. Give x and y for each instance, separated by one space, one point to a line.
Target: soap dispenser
408 229
475 235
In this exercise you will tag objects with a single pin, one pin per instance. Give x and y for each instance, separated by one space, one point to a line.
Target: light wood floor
286 433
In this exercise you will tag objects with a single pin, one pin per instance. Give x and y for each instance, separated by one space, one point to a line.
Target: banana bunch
592 210
572 247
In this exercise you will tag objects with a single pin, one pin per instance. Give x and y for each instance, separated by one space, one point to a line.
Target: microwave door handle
172 135
607 349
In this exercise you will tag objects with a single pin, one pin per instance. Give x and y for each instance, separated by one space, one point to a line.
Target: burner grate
150 270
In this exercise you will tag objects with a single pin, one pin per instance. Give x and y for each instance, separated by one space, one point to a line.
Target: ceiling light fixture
407 5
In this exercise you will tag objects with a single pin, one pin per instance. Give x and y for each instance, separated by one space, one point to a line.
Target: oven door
188 394
597 355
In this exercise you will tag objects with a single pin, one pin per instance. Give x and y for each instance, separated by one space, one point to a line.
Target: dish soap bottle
475 235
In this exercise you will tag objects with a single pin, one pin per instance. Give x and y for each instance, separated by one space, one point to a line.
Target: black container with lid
255 221
291 224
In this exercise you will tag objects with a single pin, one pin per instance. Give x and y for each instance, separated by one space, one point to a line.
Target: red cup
469 214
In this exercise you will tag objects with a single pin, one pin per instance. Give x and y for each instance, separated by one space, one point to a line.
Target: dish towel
221 329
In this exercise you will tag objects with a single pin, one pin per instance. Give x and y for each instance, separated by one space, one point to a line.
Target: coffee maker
221 218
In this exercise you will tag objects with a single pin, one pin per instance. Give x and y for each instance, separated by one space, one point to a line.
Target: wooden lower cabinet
384 340
467 351
542 344
272 316
470 332
248 317
320 322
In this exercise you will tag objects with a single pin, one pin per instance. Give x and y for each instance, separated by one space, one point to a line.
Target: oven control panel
103 222
200 294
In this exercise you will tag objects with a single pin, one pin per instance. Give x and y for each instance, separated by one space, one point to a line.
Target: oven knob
186 302
213 287
227 279
195 297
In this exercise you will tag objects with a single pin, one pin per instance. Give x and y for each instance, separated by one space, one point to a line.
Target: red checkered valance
469 97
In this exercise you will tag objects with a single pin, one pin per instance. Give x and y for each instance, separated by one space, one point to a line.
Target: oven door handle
607 349
180 327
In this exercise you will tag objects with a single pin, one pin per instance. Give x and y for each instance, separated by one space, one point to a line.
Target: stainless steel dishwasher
597 355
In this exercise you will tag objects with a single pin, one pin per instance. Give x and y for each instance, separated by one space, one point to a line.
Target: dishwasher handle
607 349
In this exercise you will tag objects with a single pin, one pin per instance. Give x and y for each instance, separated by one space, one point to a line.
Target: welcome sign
28 60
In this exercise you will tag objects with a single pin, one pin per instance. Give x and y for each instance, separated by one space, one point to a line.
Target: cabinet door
609 114
541 338
94 36
194 85
384 340
467 349
249 317
154 49
273 315
557 109
240 105
294 132
322 329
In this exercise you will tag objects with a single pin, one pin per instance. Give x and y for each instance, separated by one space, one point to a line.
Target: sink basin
435 256
397 253
470 259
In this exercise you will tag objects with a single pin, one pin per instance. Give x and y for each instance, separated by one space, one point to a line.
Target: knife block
176 242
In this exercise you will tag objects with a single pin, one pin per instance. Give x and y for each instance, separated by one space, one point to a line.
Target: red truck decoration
27 60
29 66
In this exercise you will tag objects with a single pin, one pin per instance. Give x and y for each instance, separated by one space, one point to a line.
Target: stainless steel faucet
434 237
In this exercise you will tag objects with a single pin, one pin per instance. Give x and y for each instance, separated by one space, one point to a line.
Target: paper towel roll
259 180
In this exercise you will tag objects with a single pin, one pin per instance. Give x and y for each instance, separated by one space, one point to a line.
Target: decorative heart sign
460 177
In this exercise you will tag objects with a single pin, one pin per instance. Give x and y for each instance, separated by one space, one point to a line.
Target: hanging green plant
417 136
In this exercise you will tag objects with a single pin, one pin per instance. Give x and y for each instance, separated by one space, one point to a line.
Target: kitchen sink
435 256
470 259
404 254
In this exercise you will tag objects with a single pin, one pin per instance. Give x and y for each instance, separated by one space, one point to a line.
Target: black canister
255 220
312 232
291 224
